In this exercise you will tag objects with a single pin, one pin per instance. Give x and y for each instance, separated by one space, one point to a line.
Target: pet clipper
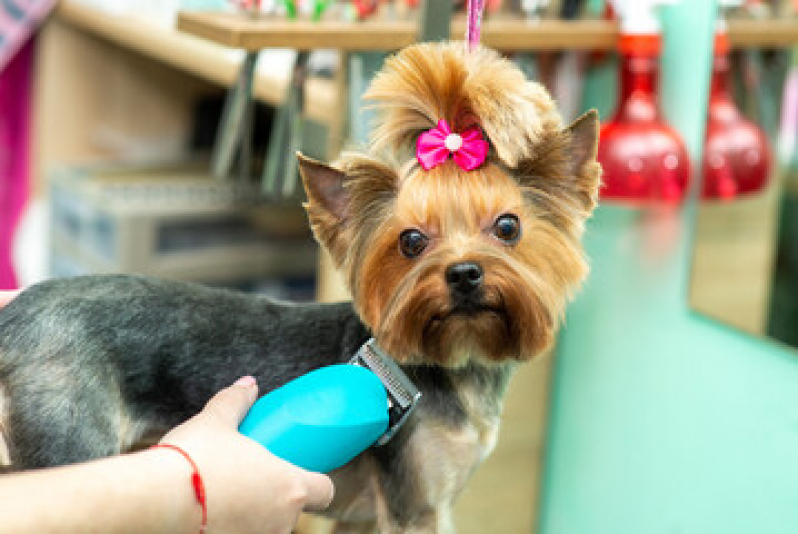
323 419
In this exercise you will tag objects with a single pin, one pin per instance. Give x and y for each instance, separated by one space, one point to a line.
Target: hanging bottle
645 161
737 157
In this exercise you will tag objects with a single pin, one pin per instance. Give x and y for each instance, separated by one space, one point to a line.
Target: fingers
320 491
7 296
231 404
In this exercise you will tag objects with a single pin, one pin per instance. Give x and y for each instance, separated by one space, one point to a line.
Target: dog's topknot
431 81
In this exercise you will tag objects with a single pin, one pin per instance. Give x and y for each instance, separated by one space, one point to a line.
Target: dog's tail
431 81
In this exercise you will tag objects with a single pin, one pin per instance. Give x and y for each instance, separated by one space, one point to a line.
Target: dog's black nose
464 278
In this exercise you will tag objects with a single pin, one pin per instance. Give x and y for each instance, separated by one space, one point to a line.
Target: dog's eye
412 243
507 228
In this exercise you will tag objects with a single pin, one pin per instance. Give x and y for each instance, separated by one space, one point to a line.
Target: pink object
645 161
469 149
15 101
736 152
18 20
474 25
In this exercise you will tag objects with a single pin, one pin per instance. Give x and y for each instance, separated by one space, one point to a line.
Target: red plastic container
645 161
737 157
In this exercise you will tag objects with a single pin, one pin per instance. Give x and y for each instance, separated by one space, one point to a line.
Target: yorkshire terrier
459 236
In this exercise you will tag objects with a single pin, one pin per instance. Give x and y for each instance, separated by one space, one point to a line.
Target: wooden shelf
775 33
199 57
237 31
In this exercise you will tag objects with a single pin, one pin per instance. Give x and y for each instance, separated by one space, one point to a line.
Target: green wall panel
664 421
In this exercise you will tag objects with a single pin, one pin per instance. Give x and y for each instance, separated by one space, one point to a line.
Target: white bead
453 142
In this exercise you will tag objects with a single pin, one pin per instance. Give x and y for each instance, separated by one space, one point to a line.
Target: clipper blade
402 394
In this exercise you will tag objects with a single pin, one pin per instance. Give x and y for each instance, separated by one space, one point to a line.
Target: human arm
248 489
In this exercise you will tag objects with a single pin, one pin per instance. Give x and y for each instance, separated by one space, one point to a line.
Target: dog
460 256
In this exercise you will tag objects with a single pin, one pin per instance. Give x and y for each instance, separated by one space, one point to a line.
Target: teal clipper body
322 420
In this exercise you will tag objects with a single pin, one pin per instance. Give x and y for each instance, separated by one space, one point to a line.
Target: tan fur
457 210
431 81
354 527
356 491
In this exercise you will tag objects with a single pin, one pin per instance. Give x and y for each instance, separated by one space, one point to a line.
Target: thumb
231 404
320 491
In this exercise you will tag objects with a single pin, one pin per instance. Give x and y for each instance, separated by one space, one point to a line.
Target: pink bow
434 146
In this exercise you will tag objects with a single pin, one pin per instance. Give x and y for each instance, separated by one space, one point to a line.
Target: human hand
7 296
248 488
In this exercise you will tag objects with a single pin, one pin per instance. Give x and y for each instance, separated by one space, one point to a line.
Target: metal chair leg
233 126
280 169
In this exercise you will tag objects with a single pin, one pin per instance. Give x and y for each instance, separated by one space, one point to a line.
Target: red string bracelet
196 482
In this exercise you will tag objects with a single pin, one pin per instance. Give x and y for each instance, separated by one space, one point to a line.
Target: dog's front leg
437 520
354 527
420 477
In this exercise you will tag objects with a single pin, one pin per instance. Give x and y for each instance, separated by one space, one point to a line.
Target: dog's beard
512 317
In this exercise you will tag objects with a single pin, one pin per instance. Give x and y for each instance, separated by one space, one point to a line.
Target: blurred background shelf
199 57
763 33
237 31
200 45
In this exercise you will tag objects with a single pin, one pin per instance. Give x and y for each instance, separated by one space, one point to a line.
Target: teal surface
664 421
601 86
323 419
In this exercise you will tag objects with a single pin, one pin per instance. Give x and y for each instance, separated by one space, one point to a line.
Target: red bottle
736 153
645 161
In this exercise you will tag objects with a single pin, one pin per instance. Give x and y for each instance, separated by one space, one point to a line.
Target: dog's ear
563 167
584 133
327 204
582 150
324 186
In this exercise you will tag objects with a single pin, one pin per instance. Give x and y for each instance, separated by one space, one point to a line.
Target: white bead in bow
453 142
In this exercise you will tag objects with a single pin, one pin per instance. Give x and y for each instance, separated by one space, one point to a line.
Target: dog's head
447 264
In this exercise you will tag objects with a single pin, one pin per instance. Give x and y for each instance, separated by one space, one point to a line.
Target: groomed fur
432 81
537 170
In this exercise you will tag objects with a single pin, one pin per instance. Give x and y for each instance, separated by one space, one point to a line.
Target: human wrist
181 510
